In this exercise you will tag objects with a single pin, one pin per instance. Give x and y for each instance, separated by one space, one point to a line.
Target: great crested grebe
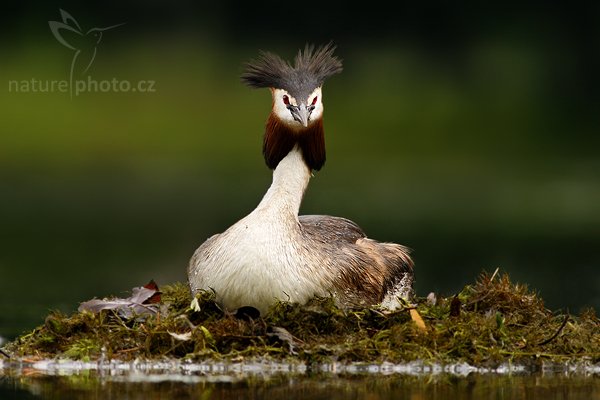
274 254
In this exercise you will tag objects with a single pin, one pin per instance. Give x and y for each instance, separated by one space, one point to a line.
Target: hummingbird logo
84 44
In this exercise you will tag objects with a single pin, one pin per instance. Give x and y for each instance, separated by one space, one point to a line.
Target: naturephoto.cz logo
85 46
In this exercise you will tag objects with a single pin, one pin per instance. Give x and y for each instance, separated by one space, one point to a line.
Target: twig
130 349
564 323
4 353
494 274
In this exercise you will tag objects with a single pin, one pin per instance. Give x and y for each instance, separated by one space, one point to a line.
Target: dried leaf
141 295
181 336
136 304
155 298
283 335
417 319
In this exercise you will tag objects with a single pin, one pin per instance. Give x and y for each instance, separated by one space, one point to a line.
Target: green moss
488 322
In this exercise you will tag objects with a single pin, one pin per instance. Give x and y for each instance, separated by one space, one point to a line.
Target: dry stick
494 274
564 323
130 349
4 354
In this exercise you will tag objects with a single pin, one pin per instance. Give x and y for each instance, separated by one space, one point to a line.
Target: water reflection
295 384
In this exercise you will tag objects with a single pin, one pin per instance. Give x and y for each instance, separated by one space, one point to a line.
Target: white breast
256 262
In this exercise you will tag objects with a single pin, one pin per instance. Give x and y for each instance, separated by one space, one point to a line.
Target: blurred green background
466 132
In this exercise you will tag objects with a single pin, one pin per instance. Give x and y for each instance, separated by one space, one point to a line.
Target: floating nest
489 322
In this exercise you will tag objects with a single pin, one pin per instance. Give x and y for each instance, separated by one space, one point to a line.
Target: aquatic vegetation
489 322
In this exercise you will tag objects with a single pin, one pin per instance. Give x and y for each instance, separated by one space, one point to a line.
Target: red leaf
155 298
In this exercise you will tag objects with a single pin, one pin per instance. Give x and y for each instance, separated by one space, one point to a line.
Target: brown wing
366 270
331 229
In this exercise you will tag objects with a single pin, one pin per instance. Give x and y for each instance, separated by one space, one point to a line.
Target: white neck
290 180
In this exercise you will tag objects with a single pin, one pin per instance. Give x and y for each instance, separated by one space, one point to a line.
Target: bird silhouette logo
84 44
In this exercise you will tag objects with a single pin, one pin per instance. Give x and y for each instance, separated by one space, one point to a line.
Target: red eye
286 100
314 100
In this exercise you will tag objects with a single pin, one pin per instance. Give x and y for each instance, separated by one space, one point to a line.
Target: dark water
88 386
371 382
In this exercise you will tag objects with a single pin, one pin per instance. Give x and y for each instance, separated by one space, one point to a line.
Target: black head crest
311 68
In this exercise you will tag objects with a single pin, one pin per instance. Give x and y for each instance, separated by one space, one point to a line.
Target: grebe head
297 113
296 90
